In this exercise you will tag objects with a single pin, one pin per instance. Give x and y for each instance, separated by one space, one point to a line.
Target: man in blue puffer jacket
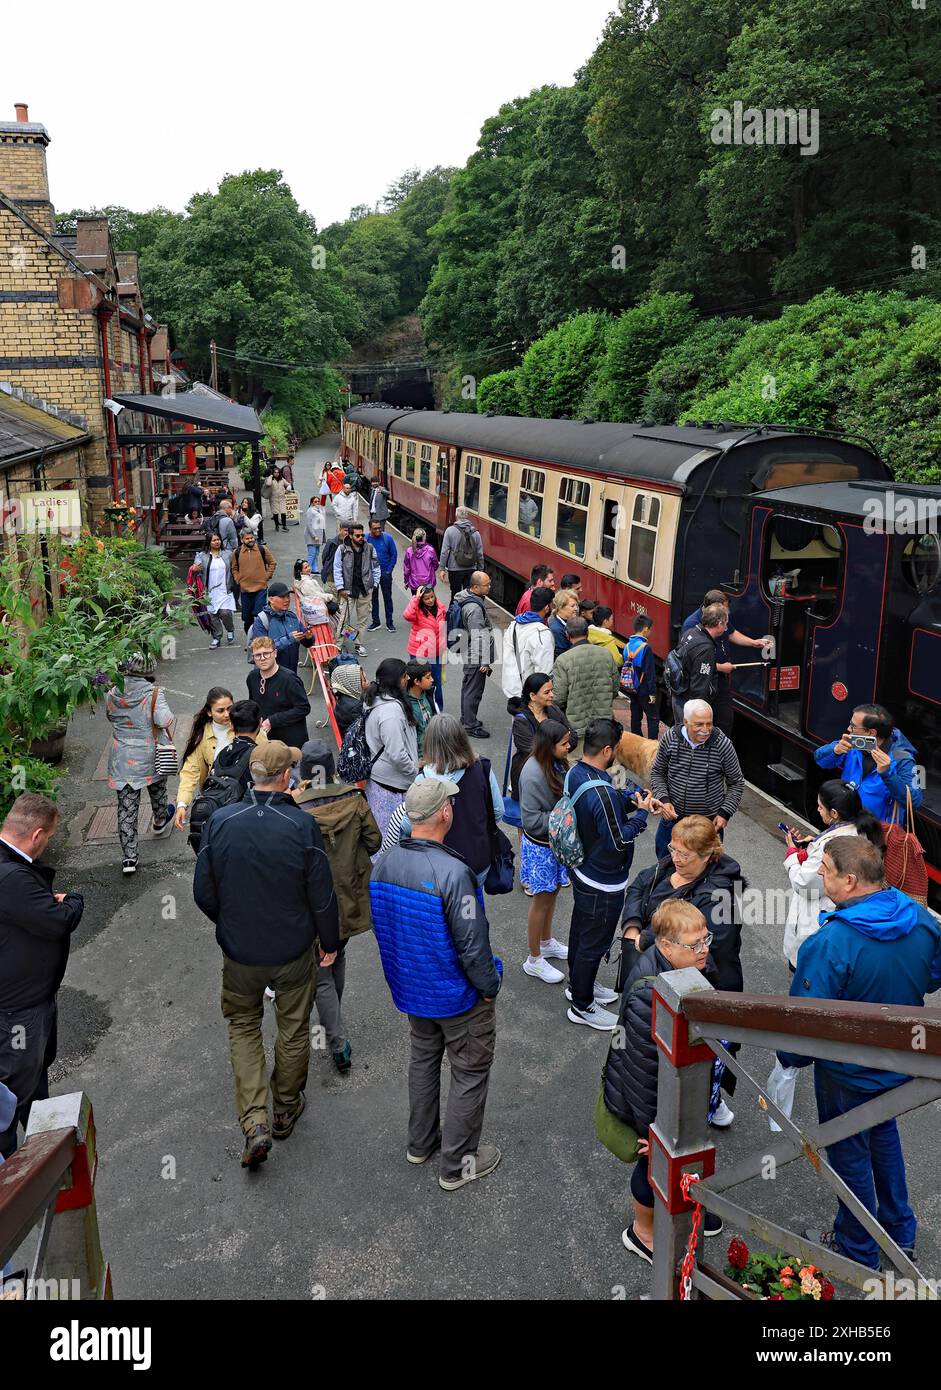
882 775
434 941
879 947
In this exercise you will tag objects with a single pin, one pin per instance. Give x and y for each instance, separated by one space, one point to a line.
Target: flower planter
51 747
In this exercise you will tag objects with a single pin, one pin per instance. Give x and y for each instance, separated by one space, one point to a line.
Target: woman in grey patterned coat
133 712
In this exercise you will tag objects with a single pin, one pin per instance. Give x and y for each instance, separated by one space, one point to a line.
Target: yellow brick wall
23 175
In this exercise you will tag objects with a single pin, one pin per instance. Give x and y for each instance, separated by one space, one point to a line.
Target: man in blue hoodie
881 774
608 820
387 554
876 947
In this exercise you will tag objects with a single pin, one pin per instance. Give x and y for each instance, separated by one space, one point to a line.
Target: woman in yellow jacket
600 632
212 731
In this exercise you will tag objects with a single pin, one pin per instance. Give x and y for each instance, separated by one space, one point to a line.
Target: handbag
904 855
166 758
501 874
618 1137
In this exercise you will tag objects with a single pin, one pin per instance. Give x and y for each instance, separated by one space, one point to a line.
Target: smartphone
782 825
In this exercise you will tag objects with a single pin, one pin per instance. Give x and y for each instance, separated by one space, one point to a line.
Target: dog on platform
637 755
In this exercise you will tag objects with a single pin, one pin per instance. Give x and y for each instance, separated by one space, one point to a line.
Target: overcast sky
148 104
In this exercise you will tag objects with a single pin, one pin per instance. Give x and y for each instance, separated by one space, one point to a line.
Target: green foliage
453 392
693 367
499 393
558 369
130 231
635 342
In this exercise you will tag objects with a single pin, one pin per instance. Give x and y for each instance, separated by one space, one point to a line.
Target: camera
864 742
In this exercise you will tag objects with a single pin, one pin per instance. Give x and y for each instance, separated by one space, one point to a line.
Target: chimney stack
23 177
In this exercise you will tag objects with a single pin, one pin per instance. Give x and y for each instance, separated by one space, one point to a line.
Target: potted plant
776 1277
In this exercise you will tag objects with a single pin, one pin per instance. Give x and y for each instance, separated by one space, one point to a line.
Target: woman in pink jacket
427 638
420 563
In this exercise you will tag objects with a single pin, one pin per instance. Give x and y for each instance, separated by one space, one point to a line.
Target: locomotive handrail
692 1026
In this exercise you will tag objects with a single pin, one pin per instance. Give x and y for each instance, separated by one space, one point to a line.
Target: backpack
633 669
465 552
220 789
263 618
356 758
213 525
454 621
674 676
564 839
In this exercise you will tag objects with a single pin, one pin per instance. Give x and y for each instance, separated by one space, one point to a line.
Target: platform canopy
215 420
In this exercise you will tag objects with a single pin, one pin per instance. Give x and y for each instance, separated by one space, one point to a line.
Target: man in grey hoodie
462 552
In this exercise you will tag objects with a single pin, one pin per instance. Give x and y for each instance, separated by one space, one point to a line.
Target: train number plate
790 678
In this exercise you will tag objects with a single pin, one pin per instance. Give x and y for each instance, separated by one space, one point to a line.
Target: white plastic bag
781 1086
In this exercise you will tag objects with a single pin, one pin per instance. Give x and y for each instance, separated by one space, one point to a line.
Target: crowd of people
413 848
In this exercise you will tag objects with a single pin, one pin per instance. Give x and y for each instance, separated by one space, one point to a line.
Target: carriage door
446 478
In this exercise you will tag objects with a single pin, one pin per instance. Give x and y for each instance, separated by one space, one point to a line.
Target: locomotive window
921 563
530 511
642 549
472 483
397 457
499 490
572 518
410 461
424 472
609 530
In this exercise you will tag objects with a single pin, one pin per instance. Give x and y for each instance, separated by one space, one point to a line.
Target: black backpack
465 552
220 789
675 677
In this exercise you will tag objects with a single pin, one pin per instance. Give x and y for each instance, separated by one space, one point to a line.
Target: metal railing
49 1184
692 1023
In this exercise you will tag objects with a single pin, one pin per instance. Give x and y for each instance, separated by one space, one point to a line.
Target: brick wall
23 176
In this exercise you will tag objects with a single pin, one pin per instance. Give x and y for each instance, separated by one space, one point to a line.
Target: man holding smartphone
877 759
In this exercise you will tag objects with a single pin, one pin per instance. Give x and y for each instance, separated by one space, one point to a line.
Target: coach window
640 555
444 473
532 488
472 467
424 471
572 521
397 457
410 461
609 530
499 490
921 563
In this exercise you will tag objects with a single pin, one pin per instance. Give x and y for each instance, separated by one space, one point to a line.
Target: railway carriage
652 516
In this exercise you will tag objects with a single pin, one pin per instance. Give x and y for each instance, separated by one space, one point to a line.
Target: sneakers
593 1017
285 1120
542 970
423 1158
257 1147
602 994
482 1163
632 1241
554 949
214 643
361 651
390 627
129 866
723 1116
230 637
161 827
374 627
341 1059
479 732
711 1224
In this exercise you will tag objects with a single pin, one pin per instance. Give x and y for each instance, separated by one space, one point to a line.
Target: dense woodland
600 254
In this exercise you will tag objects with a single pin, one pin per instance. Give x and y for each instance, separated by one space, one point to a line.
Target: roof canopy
216 421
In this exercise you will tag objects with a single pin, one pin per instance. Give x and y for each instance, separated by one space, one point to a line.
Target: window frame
397 455
410 454
539 493
648 526
576 485
475 474
424 467
501 482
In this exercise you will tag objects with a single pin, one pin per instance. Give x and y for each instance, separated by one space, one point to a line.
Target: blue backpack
564 839
632 672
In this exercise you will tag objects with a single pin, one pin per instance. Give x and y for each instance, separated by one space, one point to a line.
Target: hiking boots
285 1120
257 1147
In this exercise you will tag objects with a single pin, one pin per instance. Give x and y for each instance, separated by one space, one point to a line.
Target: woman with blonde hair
419 563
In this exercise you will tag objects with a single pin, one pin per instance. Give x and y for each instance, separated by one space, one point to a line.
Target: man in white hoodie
528 645
346 505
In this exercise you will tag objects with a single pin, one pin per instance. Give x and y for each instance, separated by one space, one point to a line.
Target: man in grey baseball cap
434 941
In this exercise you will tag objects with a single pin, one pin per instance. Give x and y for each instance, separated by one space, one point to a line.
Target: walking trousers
243 1007
469 1040
328 998
129 810
28 1040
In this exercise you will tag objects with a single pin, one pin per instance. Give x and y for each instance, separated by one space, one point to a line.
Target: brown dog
637 755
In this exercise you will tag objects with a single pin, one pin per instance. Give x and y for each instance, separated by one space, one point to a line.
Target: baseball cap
278 590
426 796
272 758
315 753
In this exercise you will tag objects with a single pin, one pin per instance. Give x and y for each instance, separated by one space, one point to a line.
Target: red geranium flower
826 1290
737 1253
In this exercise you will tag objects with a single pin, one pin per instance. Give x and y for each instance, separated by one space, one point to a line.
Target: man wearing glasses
696 773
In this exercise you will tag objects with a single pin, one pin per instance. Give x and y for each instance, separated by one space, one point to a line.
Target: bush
554 376
635 342
499 393
691 368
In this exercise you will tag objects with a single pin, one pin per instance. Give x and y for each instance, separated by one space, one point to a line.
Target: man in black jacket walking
263 877
701 658
36 926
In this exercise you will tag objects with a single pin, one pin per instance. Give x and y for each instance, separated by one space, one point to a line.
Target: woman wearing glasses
697 870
